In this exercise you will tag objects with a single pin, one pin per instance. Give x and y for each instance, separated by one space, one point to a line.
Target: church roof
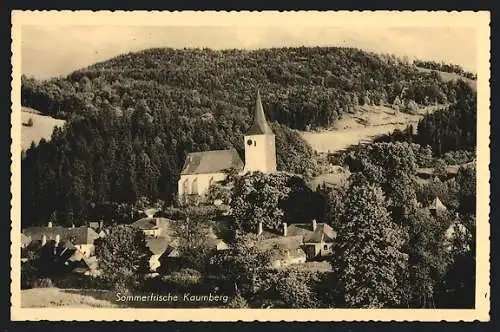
260 125
211 162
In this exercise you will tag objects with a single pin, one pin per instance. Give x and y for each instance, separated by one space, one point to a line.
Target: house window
249 142
254 143
194 187
325 247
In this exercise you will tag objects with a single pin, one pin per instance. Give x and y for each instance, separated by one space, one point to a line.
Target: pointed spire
260 125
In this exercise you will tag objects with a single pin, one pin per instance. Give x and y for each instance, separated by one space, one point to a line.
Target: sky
49 51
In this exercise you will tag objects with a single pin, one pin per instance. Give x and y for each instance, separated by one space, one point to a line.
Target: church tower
260 149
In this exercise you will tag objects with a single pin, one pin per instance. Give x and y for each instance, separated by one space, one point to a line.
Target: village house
202 169
25 240
319 242
81 238
299 243
97 226
163 242
436 207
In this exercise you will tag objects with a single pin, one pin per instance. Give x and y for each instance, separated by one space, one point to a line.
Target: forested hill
132 120
299 86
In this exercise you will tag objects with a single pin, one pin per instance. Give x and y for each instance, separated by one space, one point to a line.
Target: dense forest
446 67
448 130
299 86
131 120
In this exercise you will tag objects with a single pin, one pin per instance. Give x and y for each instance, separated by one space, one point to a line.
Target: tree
368 260
245 263
466 180
123 258
440 169
192 235
428 257
238 302
295 288
256 198
335 204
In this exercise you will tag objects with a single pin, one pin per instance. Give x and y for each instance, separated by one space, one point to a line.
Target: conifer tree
368 259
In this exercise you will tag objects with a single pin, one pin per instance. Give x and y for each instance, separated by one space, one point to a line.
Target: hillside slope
301 87
42 127
131 120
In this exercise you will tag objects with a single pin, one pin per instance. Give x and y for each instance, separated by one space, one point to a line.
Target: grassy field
365 124
55 297
42 127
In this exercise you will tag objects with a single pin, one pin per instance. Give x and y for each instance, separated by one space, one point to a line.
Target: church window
194 187
185 187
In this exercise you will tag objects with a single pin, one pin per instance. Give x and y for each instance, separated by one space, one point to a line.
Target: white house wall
86 249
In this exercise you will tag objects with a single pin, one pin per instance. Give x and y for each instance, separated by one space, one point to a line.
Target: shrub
29 274
43 283
29 123
237 302
173 213
458 157
184 278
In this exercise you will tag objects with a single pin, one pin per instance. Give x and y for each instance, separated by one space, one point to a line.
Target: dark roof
170 251
211 162
260 125
323 233
77 235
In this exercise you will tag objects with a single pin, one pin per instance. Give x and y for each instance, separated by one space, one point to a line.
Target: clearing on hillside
42 126
365 124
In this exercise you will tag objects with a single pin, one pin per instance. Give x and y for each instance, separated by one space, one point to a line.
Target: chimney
314 224
58 238
101 224
44 239
285 226
49 225
259 231
72 225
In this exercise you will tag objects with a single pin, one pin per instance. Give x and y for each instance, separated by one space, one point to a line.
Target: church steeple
260 125
260 147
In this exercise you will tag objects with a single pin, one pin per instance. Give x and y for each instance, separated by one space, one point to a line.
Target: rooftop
214 161
323 233
76 235
260 125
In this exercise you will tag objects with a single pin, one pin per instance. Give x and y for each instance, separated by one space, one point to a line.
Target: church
201 169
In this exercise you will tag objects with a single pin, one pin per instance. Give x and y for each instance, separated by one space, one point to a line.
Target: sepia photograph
251 160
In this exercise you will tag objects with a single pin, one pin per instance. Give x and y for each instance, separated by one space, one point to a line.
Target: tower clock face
249 142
